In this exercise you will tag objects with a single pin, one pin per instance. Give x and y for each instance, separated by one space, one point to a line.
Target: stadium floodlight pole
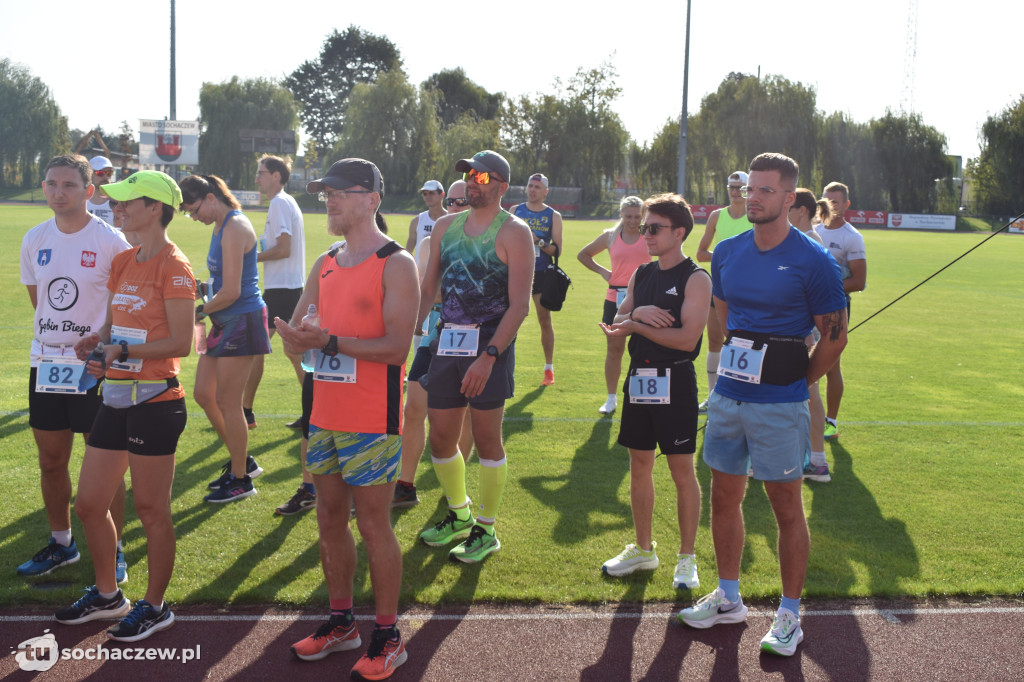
174 107
681 181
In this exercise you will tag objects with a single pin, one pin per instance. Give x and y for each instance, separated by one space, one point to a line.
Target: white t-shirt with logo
845 243
284 217
70 273
424 226
101 211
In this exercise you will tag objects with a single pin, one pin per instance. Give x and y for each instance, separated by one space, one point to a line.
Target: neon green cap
147 183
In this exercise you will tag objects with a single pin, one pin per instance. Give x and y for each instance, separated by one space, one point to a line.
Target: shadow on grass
517 419
594 478
12 424
853 536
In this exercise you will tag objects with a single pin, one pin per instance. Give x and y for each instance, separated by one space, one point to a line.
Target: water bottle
310 321
199 335
88 381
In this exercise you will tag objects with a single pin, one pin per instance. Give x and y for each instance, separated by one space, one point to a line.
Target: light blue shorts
770 437
360 458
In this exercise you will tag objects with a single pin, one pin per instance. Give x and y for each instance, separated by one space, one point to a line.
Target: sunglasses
105 172
480 178
340 193
457 202
653 228
113 203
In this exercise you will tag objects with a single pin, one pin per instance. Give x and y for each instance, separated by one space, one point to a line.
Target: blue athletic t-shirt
778 291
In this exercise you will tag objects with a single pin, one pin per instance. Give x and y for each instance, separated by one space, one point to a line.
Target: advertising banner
702 211
866 218
1017 226
914 221
168 142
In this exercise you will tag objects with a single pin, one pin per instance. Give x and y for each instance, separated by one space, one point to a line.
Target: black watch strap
123 358
331 349
492 351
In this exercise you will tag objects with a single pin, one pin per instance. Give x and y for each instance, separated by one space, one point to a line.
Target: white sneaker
712 609
609 405
703 407
784 635
632 559
686 572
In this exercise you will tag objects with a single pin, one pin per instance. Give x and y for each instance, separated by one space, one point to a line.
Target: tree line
355 99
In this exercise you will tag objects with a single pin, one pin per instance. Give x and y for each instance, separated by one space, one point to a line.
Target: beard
764 217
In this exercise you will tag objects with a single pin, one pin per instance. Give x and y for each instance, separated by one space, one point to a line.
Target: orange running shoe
385 653
332 636
549 377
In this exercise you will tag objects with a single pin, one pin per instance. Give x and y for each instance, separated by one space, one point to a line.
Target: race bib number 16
740 361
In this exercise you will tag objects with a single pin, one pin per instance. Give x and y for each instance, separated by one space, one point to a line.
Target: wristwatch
492 351
123 358
331 349
541 243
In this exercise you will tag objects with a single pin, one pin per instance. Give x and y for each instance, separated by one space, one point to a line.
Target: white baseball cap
432 186
739 175
99 163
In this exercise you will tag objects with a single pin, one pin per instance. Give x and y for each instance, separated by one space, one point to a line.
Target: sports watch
331 349
492 351
123 358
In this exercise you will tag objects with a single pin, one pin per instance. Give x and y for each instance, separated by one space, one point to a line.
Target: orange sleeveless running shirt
350 304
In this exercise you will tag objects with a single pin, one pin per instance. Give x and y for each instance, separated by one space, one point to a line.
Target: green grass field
925 498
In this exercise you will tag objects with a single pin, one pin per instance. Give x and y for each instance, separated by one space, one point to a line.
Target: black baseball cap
349 173
486 161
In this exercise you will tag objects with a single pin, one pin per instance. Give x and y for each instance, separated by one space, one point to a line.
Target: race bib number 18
649 386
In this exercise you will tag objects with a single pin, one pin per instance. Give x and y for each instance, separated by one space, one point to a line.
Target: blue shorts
770 437
361 458
238 335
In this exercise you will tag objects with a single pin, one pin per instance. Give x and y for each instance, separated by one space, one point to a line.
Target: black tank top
664 289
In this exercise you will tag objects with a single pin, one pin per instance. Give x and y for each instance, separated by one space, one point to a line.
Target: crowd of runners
117 305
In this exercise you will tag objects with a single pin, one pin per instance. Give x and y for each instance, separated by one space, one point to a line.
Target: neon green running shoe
479 545
831 430
448 530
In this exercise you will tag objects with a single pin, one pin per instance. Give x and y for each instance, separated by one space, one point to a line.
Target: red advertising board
866 218
702 211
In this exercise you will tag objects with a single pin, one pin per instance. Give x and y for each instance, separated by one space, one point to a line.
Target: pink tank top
626 258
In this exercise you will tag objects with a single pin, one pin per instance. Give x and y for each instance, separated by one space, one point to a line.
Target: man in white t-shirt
102 174
65 265
283 254
420 226
846 245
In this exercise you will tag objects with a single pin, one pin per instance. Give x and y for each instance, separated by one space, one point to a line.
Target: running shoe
250 418
385 653
686 572
477 546
332 636
712 609
405 496
702 408
632 559
447 530
609 405
50 558
815 473
297 424
784 635
233 490
549 377
831 430
142 622
93 607
120 567
301 501
252 470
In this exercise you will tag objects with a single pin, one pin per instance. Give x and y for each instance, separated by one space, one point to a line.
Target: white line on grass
889 615
574 420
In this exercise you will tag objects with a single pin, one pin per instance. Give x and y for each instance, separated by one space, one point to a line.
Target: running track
866 640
